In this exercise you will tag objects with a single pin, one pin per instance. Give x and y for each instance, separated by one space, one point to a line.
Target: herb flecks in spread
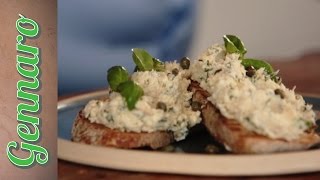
162 104
258 102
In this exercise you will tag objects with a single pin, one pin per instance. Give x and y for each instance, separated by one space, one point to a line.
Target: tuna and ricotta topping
255 100
163 107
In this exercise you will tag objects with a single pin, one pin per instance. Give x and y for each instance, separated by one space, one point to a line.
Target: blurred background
95 35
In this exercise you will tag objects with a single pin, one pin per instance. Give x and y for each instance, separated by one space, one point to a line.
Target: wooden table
303 72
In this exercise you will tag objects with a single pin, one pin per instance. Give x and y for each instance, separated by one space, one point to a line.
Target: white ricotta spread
251 101
145 117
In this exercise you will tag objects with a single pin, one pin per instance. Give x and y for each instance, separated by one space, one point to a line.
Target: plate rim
178 163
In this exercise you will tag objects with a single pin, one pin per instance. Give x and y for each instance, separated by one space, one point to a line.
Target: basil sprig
158 65
257 64
233 44
118 79
131 92
117 75
145 62
142 59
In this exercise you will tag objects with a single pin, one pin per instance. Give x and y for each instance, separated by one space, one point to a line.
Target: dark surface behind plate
198 140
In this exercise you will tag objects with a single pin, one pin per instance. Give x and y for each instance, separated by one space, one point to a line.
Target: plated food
149 108
241 102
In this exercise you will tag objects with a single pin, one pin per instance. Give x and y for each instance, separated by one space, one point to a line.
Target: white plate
178 163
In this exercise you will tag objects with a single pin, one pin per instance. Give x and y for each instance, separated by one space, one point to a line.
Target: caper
318 122
250 71
175 71
162 105
195 106
279 92
185 63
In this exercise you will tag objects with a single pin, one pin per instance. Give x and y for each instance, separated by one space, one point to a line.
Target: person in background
96 35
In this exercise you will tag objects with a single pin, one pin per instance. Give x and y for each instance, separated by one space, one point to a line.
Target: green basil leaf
158 65
117 75
257 64
131 92
234 45
142 59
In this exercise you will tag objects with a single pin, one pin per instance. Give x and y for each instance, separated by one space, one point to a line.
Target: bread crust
237 138
84 131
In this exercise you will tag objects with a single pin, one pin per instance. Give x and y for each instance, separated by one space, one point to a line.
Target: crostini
150 107
245 106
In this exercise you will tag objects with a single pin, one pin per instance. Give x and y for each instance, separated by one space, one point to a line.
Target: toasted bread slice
84 131
237 138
